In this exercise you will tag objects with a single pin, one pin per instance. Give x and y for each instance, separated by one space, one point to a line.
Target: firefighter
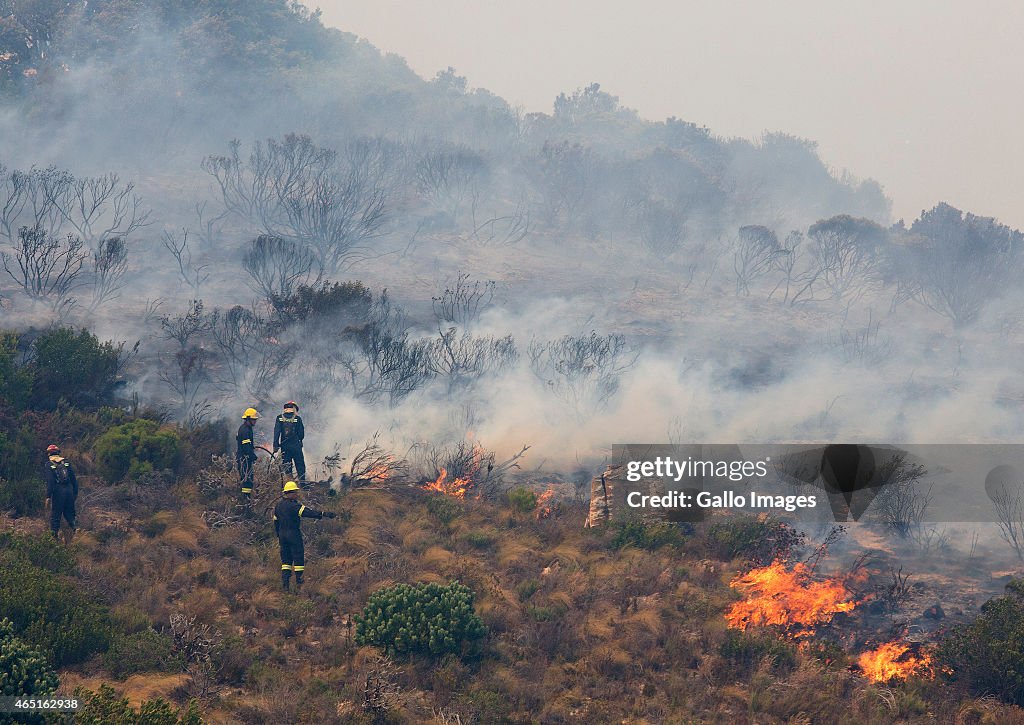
245 453
288 435
61 492
288 515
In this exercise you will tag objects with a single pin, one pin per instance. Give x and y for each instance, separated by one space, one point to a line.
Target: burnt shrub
135 448
985 655
429 619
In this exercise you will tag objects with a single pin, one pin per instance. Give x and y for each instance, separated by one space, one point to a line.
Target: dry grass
579 631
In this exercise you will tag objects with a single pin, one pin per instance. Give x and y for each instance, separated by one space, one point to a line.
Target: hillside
214 206
622 623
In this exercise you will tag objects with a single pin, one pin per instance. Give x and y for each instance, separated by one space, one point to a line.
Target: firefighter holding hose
245 451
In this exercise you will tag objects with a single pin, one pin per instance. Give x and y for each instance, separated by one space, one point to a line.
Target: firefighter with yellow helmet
288 515
245 452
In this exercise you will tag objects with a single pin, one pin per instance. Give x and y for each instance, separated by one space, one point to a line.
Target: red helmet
291 404
50 449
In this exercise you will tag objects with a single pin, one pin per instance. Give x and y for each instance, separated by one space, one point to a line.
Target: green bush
15 379
746 650
760 540
522 500
648 535
444 508
986 655
480 540
22 496
77 368
135 448
22 491
41 551
23 668
425 618
50 612
145 651
106 708
526 589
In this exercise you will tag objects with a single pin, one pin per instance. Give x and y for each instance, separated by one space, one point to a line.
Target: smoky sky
921 95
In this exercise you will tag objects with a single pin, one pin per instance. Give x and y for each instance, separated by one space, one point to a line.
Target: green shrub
480 540
15 379
546 614
526 589
77 368
648 535
986 655
746 650
135 448
760 540
426 618
41 551
50 612
522 500
22 491
23 668
22 496
145 651
106 708
233 658
444 508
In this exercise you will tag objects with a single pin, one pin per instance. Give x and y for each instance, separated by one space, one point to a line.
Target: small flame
457 487
788 599
380 471
891 661
544 503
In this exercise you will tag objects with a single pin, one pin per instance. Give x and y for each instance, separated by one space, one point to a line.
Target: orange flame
461 485
378 472
891 661
788 599
544 504
457 487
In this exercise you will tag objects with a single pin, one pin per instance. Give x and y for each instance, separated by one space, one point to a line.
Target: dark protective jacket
288 515
246 444
288 431
58 473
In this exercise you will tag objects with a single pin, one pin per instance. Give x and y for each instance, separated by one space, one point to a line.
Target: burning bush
986 654
427 618
788 599
893 661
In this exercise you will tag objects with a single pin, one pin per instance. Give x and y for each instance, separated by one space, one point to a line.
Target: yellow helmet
250 413
290 486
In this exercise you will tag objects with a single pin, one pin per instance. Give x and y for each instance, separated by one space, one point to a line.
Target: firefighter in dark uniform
61 492
288 435
288 515
245 453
